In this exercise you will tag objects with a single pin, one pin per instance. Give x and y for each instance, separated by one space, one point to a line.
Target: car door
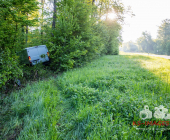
42 49
34 55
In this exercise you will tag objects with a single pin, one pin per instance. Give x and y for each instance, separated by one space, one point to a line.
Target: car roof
33 47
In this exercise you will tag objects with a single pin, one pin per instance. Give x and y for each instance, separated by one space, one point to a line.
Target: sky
148 16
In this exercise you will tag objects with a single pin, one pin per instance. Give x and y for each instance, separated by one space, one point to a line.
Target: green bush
9 69
78 38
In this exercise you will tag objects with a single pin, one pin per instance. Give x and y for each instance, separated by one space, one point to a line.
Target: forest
74 32
145 43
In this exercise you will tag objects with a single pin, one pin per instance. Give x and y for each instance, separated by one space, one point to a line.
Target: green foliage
130 47
9 69
146 43
168 48
161 44
164 36
78 38
113 35
13 19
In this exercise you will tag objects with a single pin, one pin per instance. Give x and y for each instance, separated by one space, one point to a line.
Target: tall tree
54 15
164 36
13 16
42 18
145 42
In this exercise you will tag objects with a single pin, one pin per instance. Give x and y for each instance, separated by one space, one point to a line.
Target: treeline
72 30
160 45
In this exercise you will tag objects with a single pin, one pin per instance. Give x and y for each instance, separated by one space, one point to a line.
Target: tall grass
98 101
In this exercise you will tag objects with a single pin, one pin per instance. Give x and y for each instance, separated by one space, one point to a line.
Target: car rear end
43 53
37 54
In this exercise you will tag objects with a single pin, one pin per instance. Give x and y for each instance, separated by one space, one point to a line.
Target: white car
34 55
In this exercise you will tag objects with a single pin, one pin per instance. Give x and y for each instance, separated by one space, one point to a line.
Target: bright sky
148 16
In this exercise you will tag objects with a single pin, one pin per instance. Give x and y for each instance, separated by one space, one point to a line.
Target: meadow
98 101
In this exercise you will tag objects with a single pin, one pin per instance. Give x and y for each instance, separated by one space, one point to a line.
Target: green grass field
98 101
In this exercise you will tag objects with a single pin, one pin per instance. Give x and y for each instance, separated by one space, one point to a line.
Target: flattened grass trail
98 101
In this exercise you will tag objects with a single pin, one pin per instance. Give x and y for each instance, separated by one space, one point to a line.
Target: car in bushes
34 55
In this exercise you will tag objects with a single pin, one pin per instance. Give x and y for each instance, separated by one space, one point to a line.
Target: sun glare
112 16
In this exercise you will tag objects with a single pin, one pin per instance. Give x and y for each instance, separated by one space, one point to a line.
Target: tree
130 47
72 30
42 16
164 36
54 15
145 42
113 28
13 17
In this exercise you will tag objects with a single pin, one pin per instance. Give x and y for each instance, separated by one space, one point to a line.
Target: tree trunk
26 34
16 27
27 31
54 15
42 2
23 35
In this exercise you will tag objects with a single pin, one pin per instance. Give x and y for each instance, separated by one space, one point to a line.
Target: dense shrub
79 35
